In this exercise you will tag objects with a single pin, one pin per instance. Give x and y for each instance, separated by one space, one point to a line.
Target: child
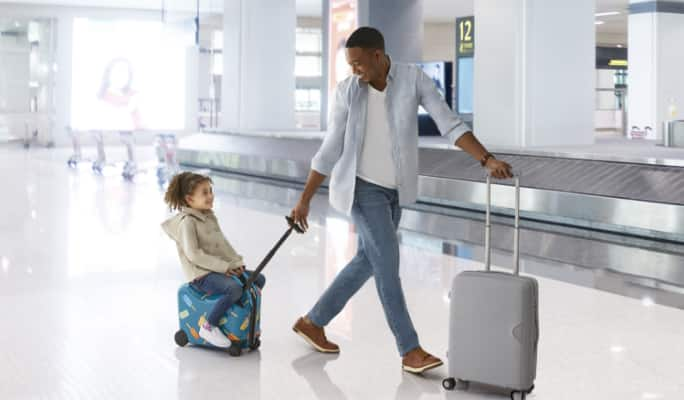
208 260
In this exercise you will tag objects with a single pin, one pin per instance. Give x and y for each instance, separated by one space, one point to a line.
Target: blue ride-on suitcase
241 324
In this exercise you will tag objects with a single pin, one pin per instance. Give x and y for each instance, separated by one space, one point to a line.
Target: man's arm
451 125
325 159
469 143
448 123
301 210
333 143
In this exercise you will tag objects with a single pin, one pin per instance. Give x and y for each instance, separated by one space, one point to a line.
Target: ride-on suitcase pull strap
292 226
488 225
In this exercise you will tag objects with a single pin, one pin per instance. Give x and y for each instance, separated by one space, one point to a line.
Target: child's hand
236 271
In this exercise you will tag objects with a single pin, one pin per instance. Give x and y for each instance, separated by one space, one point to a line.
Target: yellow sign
465 36
465 48
617 63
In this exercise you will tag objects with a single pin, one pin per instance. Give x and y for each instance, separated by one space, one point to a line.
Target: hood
172 225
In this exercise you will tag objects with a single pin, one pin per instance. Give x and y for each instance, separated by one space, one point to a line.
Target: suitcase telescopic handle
488 225
292 226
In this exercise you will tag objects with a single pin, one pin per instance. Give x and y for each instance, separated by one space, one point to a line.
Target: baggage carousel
636 197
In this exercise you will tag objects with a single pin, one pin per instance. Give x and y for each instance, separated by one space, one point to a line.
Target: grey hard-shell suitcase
494 324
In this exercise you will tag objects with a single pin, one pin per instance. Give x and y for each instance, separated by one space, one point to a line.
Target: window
217 52
308 69
308 40
465 85
308 66
308 75
308 59
308 99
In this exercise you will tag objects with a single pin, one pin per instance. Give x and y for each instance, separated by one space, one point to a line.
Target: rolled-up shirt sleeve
331 149
447 121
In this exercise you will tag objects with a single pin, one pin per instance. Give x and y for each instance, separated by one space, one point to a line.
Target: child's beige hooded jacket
201 245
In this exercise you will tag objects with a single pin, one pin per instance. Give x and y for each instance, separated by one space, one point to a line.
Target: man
371 155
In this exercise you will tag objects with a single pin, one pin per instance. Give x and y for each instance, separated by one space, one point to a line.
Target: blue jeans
230 289
376 215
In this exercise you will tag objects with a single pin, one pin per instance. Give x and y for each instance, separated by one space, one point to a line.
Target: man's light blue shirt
407 88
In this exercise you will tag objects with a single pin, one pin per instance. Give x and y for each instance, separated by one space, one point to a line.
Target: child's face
202 198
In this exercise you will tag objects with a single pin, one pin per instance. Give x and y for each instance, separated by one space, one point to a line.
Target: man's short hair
366 38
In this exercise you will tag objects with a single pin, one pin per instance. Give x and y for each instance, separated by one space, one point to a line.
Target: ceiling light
617 349
607 14
599 23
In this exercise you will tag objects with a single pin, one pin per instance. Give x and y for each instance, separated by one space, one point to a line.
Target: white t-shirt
377 163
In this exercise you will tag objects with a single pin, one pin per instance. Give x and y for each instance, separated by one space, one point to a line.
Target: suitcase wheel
451 384
235 349
255 345
518 395
181 338
521 395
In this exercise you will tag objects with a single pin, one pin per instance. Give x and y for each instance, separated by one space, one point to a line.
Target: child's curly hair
182 185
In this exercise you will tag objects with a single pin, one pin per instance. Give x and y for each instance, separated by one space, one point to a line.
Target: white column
258 82
401 23
656 61
534 73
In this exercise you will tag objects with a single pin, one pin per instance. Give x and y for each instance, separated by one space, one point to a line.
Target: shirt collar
392 70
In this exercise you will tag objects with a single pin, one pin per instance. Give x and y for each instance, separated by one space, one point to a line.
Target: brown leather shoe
315 336
418 361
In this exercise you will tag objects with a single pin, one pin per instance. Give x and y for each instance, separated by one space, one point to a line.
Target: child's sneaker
214 336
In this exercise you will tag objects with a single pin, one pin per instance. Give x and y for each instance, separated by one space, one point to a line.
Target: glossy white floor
88 282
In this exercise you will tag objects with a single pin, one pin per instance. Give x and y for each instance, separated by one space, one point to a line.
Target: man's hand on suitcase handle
499 169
